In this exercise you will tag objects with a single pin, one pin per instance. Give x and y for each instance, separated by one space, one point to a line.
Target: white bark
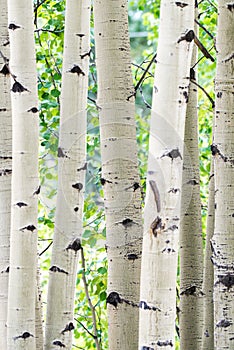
208 277
191 254
71 177
162 209
120 178
23 244
5 171
223 152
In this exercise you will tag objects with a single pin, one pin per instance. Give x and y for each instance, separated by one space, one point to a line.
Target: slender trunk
162 209
208 279
5 171
23 243
223 152
38 315
71 177
120 178
191 254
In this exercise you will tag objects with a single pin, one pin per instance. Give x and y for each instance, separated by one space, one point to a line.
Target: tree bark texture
120 178
5 170
163 191
223 153
25 182
71 177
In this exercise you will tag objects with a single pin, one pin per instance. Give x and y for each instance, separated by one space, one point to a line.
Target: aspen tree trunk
120 178
5 171
223 152
38 315
191 254
71 177
162 209
23 243
208 278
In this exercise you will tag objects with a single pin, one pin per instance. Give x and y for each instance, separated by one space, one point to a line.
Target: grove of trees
116 175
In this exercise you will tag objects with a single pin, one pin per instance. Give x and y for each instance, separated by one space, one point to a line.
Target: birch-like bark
208 276
23 242
162 209
5 171
120 178
71 177
223 153
38 315
191 254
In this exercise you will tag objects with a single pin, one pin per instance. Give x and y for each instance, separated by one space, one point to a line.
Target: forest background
49 37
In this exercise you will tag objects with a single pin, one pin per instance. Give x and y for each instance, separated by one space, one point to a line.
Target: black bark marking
104 181
84 167
173 154
75 245
174 190
157 226
28 228
156 193
13 26
78 186
206 333
25 335
168 250
230 6
135 186
219 94
143 305
113 299
7 270
69 327
186 96
17 87
58 343
61 153
189 291
5 157
227 280
223 324
165 343
38 190
3 109
171 228
33 110
192 182
181 4
215 151
76 209
5 172
146 348
57 269
192 74
5 70
80 35
127 222
21 204
76 69
188 36
132 256
85 54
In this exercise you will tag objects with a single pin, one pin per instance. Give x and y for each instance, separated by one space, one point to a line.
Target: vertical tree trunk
162 209
208 276
5 171
23 244
120 178
191 254
71 177
223 152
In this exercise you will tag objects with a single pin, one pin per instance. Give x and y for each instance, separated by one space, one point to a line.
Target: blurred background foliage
143 27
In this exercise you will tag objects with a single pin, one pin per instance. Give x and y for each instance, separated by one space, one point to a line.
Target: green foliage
49 35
